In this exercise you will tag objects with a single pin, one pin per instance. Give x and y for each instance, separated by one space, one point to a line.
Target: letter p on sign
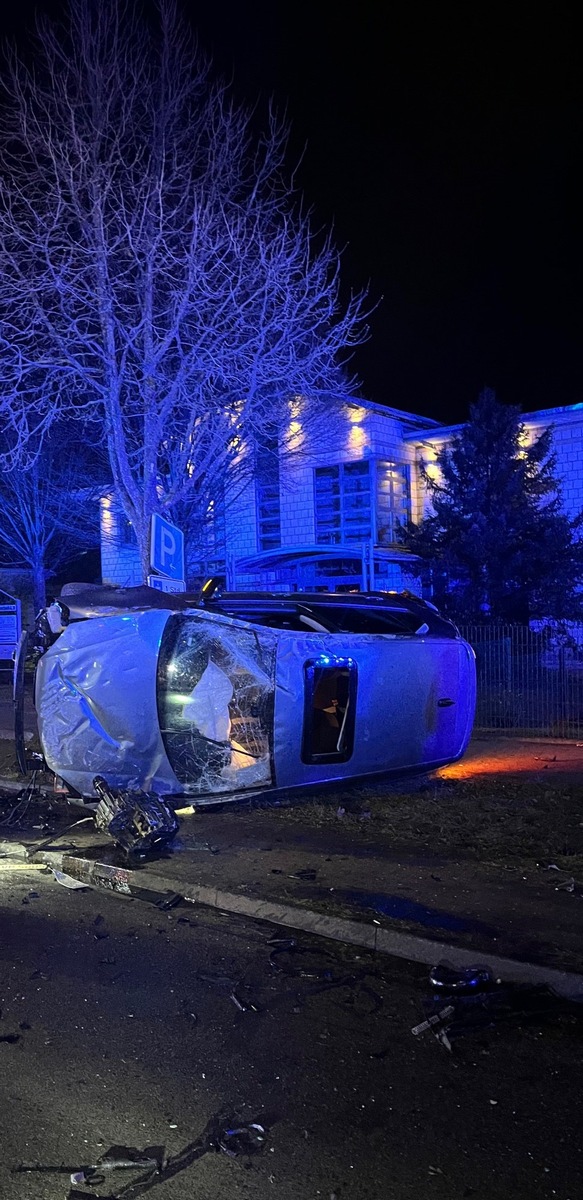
168 549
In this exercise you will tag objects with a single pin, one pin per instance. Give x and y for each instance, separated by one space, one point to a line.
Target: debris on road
171 900
139 822
245 1139
243 1005
568 883
294 964
446 978
68 881
477 1001
55 837
95 1173
20 807
435 1019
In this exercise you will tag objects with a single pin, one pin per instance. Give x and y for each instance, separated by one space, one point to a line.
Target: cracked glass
215 693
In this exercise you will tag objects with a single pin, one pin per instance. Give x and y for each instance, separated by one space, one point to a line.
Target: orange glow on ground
512 757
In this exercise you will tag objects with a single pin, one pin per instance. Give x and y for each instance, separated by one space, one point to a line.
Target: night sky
443 142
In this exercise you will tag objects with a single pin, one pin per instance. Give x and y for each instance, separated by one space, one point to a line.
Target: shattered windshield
214 691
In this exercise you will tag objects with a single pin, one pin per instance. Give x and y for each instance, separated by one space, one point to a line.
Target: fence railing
530 681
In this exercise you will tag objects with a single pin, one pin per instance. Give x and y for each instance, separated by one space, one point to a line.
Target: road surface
118 1030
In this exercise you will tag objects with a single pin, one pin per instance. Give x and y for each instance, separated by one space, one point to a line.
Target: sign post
166 556
10 625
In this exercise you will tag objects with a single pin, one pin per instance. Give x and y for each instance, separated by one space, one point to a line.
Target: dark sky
443 142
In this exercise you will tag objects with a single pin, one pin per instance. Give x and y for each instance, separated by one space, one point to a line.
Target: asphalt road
118 1029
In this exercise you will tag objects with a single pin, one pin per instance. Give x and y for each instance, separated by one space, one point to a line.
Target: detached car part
139 822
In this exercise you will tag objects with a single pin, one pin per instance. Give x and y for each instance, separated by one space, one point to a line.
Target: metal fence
530 681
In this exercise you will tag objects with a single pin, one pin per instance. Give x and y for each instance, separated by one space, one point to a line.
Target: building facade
324 514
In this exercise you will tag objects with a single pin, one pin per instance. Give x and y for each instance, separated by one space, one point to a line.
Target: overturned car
230 693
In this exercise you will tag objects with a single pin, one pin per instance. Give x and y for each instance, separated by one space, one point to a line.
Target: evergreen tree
497 542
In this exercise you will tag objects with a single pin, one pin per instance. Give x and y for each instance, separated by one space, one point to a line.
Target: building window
215 527
126 532
343 503
393 500
351 500
267 495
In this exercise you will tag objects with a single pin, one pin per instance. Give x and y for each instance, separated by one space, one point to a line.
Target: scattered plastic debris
95 1173
68 881
568 883
243 1005
49 841
139 822
171 900
447 978
187 1010
24 800
245 1139
435 1019
478 1001
293 964
222 1134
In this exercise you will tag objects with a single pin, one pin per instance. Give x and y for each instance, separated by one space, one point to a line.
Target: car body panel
201 703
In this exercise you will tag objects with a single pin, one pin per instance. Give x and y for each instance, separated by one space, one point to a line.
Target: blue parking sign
166 548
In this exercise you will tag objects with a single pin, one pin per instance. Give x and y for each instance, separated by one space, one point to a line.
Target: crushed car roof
331 612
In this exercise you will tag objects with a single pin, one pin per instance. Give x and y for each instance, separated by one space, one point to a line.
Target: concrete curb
12 785
127 882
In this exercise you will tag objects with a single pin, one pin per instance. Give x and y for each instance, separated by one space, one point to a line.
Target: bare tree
157 276
49 512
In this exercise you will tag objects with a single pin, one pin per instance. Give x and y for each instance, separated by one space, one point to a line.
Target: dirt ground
462 855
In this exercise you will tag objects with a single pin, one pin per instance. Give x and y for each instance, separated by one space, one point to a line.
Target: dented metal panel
95 698
401 720
154 700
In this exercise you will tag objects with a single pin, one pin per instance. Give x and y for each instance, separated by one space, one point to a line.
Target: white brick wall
568 445
567 424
